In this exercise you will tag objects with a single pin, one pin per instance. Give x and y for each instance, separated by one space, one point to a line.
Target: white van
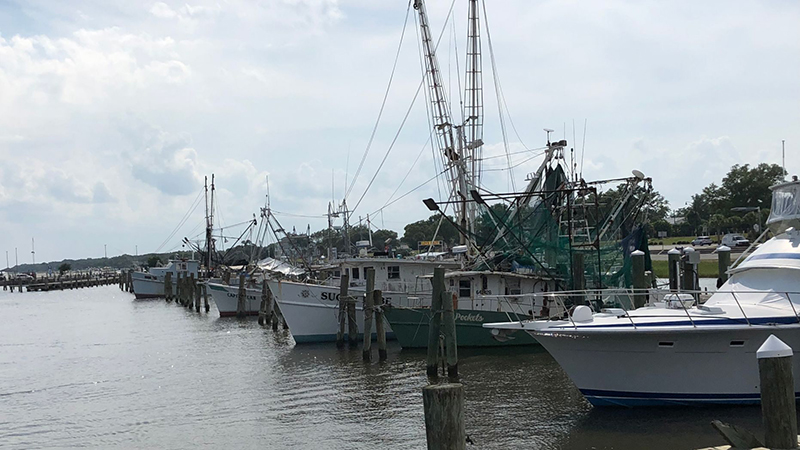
735 240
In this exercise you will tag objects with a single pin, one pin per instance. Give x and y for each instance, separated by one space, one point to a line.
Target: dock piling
778 408
724 262
380 328
674 261
168 286
344 282
436 320
444 416
262 310
197 293
240 304
368 310
639 280
449 332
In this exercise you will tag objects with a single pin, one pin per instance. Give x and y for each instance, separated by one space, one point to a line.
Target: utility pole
33 252
7 266
105 251
16 258
137 250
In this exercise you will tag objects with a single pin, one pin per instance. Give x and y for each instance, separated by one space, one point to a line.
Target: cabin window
355 273
393 272
452 282
464 288
337 273
484 283
347 271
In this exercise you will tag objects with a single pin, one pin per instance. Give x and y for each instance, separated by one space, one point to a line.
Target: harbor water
93 368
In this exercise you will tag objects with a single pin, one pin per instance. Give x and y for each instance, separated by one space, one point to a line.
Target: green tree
153 261
424 230
64 267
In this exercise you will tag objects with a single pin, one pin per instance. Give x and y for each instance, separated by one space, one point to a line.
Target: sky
112 112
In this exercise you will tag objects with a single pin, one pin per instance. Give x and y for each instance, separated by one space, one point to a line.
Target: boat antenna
783 157
583 145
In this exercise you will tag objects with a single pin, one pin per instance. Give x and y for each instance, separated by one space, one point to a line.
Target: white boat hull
147 286
311 311
227 299
709 366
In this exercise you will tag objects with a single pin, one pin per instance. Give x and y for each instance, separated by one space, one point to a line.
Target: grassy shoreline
707 269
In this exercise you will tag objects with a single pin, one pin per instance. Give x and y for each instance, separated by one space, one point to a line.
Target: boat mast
209 224
452 149
473 107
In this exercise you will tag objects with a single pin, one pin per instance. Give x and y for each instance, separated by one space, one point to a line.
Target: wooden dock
60 283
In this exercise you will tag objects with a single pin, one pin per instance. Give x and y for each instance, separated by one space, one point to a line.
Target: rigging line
397 135
498 95
383 104
183 220
409 192
409 171
458 73
513 166
541 152
308 216
428 112
508 112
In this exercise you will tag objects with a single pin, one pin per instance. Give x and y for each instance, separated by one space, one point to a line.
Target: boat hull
147 286
311 311
227 299
410 326
653 368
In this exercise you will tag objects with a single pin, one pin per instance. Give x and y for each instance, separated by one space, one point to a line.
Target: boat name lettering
469 317
333 296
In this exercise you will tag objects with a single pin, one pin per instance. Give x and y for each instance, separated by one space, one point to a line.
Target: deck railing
605 299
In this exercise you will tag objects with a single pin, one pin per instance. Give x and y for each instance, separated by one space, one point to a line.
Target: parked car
735 240
702 240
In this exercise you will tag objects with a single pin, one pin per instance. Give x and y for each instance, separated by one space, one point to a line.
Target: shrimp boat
150 284
674 351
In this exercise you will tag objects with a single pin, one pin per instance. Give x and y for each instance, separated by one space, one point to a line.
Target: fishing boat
311 309
226 296
674 351
150 284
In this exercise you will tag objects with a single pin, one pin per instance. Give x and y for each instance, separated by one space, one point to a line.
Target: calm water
94 368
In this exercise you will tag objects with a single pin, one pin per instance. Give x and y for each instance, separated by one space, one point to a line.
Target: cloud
166 162
100 193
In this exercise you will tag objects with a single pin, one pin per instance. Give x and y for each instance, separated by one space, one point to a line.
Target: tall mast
209 224
473 93
453 157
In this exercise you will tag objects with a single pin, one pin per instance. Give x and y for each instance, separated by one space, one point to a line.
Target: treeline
742 200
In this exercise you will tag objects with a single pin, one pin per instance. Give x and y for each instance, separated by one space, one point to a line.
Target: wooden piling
262 310
778 410
344 283
444 416
205 298
168 286
435 322
130 281
674 261
449 332
380 326
240 304
197 293
723 261
639 280
352 325
368 308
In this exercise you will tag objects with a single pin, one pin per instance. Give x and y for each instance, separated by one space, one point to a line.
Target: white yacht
150 284
673 351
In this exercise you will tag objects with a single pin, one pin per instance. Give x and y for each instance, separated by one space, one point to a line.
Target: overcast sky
112 112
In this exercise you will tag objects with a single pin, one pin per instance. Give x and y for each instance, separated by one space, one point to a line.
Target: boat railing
609 299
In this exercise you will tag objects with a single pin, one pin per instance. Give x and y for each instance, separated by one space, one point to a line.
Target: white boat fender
582 313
